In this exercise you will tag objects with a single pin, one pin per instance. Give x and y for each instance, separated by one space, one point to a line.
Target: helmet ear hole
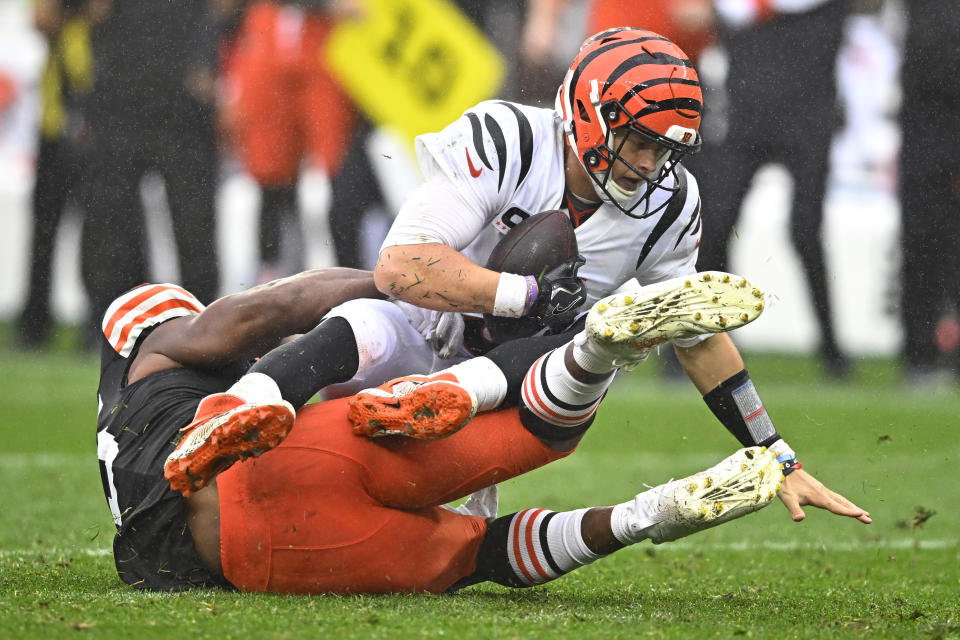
584 114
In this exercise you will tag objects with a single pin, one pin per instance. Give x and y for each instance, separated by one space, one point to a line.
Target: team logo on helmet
639 83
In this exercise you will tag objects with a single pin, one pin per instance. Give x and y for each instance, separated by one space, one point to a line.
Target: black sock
516 357
326 355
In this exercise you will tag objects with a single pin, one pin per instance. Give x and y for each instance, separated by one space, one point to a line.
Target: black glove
560 295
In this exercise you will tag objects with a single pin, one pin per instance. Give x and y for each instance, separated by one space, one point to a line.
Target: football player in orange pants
315 514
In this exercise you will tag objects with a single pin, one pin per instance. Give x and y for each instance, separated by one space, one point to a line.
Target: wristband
738 407
513 292
533 291
789 465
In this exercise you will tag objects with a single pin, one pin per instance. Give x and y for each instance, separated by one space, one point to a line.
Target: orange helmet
637 80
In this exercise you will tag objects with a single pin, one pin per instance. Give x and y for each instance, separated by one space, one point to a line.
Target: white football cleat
627 324
740 484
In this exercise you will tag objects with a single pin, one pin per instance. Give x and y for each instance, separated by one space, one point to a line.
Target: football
532 247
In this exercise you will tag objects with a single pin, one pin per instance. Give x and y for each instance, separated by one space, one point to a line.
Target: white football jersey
506 162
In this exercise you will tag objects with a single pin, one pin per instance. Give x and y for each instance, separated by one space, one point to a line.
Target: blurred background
223 143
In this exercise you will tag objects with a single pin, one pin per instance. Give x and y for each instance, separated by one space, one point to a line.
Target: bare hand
800 489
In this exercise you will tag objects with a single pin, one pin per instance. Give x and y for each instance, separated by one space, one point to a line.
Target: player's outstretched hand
800 489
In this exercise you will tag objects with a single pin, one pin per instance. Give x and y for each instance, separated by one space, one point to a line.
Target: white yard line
858 545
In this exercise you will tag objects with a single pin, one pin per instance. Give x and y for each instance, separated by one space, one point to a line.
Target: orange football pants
288 107
331 512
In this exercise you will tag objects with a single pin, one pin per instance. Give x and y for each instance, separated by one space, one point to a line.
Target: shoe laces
200 433
406 387
661 492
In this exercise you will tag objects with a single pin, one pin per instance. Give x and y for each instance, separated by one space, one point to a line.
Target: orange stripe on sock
530 548
541 408
530 387
516 546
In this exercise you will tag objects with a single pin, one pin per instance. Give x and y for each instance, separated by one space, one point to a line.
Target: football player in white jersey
627 112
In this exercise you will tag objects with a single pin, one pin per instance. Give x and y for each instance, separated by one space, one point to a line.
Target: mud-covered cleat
224 430
740 484
414 406
629 323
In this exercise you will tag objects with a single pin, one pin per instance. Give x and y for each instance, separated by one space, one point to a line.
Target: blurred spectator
282 108
929 185
66 78
8 92
151 109
781 107
689 23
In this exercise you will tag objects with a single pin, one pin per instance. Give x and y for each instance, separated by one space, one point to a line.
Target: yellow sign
414 66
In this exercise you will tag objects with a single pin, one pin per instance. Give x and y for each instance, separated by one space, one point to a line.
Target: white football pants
391 343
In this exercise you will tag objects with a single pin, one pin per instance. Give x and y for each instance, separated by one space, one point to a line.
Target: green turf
762 576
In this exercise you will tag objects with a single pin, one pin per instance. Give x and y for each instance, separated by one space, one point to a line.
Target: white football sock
565 539
256 388
594 357
483 378
590 356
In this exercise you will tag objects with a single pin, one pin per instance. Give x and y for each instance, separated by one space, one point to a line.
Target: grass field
762 576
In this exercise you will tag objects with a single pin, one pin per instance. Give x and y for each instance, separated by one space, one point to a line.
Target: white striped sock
543 545
556 397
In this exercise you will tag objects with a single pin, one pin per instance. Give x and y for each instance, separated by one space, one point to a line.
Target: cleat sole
433 410
245 432
633 323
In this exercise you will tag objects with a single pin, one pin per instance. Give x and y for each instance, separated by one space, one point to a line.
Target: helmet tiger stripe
631 78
